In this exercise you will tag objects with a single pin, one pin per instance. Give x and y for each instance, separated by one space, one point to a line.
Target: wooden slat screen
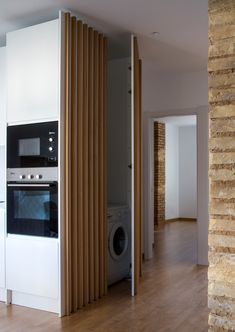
137 166
85 238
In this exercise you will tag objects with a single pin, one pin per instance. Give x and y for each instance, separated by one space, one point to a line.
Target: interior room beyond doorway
175 169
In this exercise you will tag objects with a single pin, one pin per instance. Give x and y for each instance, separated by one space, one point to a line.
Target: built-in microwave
32 145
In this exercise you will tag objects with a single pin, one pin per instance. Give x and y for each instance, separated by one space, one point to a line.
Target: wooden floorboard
172 296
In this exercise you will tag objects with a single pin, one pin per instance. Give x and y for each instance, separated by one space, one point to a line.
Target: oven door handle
29 185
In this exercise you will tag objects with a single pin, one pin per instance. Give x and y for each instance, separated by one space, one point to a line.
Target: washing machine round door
118 241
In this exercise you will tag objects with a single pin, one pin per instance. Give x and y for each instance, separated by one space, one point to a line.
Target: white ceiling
179 121
182 24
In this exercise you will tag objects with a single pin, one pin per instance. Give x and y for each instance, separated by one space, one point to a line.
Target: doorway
175 181
202 178
175 169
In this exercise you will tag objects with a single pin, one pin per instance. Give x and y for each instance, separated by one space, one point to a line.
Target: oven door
32 209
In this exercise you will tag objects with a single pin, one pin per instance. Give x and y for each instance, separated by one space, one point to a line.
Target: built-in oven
32 145
32 208
32 179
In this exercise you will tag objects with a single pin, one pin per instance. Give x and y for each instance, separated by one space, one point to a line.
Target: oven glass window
33 205
29 147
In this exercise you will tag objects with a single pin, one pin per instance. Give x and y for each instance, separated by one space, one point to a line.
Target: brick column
221 69
159 173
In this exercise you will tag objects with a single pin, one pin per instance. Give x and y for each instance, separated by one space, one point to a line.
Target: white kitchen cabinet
32 267
2 95
2 255
33 73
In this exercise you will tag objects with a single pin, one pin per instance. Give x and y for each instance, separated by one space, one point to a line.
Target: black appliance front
32 145
32 209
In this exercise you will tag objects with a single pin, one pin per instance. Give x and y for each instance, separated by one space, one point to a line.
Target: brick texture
221 68
159 173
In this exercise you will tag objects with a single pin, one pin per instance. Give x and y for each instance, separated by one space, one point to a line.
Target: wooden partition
137 199
85 238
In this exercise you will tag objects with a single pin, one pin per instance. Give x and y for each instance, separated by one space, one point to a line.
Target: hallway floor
173 296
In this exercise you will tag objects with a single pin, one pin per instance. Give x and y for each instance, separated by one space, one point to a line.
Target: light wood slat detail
74 161
67 228
96 163
141 168
101 162
137 168
105 89
80 129
91 163
85 274
85 167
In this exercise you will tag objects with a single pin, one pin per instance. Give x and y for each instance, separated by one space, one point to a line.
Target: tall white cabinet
2 170
2 96
33 73
2 256
31 266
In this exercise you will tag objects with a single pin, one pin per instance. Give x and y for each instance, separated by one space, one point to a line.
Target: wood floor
173 296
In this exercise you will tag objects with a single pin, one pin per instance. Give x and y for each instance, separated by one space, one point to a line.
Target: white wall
172 172
173 91
171 95
181 171
187 172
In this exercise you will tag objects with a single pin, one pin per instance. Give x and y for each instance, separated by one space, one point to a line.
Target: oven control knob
50 148
38 176
30 176
22 177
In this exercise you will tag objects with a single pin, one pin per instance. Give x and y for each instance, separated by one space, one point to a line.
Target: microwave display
29 147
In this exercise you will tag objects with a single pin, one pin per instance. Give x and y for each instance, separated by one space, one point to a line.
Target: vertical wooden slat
74 162
141 169
91 164
137 168
67 227
85 167
80 163
101 167
96 164
105 244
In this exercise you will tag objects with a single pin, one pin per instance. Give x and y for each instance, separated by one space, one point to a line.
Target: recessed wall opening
118 172
175 176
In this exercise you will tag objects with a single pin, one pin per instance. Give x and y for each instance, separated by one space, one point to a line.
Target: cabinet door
2 248
32 266
33 73
2 96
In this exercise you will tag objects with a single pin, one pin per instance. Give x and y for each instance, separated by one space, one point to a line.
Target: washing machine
119 243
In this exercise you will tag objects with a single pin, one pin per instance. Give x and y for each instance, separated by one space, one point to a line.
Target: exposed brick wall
159 173
221 69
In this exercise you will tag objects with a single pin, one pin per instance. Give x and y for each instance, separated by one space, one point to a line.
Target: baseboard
35 302
188 219
180 219
172 220
3 296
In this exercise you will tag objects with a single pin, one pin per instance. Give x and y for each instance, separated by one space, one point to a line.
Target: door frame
202 179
